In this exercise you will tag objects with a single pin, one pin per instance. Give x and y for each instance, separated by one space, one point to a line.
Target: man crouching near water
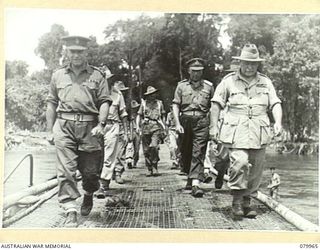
245 129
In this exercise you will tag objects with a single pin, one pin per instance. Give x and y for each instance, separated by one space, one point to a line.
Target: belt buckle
78 117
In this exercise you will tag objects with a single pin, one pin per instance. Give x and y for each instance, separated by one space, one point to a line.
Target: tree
50 46
16 69
295 70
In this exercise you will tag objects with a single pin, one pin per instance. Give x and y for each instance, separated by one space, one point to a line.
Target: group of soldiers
90 128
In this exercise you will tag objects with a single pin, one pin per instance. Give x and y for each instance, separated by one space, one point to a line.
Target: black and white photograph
161 120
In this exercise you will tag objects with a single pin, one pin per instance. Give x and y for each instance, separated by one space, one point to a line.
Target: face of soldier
151 97
249 69
77 57
195 75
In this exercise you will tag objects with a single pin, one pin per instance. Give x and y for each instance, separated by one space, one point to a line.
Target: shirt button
250 107
246 89
250 97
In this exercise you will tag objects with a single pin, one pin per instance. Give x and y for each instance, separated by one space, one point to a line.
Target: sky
24 27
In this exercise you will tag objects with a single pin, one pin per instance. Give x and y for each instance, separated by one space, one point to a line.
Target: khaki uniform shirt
78 94
245 123
117 110
151 113
190 98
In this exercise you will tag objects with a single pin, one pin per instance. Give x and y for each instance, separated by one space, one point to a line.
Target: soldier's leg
256 160
120 160
185 144
66 166
90 153
146 139
154 150
238 179
136 144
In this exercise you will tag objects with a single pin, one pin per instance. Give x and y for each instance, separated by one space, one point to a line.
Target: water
298 189
299 183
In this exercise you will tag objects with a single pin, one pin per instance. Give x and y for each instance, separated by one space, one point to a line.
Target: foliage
294 68
50 47
25 103
16 69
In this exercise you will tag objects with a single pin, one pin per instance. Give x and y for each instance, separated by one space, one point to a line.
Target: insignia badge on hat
76 42
196 63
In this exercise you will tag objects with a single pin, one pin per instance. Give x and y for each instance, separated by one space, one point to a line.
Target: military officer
112 141
78 105
192 100
152 115
245 129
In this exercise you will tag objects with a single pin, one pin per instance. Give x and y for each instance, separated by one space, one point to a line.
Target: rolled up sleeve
273 97
122 108
221 94
177 96
53 94
103 94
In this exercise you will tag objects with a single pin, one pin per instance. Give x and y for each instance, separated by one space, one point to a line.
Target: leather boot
86 205
237 212
248 211
104 186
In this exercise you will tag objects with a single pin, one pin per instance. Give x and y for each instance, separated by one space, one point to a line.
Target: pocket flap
62 85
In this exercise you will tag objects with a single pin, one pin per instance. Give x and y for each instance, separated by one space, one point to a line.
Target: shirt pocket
65 91
91 87
238 97
186 97
262 96
265 132
228 129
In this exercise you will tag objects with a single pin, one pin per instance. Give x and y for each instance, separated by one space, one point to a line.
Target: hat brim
136 106
76 47
109 76
248 59
123 89
196 68
151 92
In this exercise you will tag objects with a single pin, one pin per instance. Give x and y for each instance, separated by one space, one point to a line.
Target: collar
201 84
86 68
240 77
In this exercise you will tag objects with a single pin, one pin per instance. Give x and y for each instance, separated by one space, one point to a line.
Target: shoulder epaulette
263 75
208 83
97 69
184 80
230 74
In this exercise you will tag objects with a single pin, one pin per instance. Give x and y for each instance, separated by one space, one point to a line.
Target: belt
249 111
194 113
111 122
77 117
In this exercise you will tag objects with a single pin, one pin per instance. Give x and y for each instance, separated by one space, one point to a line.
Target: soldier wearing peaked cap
78 105
245 129
192 100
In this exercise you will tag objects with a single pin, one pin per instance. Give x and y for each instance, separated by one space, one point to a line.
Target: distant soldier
120 162
78 106
134 137
245 129
112 143
152 116
274 184
173 140
191 106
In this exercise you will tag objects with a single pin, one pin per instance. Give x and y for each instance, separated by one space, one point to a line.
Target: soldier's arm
277 116
51 115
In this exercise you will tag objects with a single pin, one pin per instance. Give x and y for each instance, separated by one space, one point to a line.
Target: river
298 190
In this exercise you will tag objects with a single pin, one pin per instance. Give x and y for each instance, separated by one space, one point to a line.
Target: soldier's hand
138 130
277 129
179 129
213 133
98 131
50 138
